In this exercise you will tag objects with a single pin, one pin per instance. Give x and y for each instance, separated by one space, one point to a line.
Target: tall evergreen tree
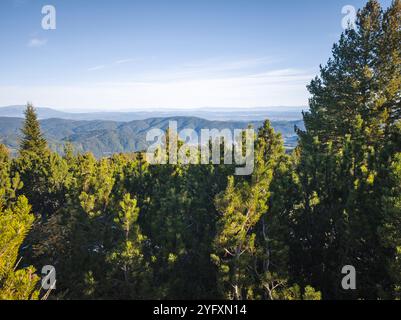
15 284
129 274
344 156
15 222
32 140
241 206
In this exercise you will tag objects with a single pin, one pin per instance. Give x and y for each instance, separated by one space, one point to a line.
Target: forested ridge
119 228
103 138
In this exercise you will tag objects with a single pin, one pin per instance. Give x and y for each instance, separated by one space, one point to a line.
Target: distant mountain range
244 114
104 137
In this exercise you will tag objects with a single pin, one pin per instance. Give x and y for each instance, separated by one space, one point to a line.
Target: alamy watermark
49 21
213 147
349 281
49 278
349 20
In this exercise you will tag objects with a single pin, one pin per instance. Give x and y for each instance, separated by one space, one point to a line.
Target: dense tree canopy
120 228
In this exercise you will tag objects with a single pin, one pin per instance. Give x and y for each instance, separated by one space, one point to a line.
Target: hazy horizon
164 109
212 114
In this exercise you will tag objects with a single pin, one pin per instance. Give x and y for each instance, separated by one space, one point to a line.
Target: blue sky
119 55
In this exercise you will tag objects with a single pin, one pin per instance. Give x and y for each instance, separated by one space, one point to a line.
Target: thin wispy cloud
270 88
222 64
122 61
36 42
95 68
103 66
215 68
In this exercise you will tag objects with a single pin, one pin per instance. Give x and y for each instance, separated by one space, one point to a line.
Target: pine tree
42 172
32 140
390 231
15 222
343 158
241 206
130 274
9 186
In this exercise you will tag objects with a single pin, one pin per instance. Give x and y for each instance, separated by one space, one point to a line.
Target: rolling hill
103 137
